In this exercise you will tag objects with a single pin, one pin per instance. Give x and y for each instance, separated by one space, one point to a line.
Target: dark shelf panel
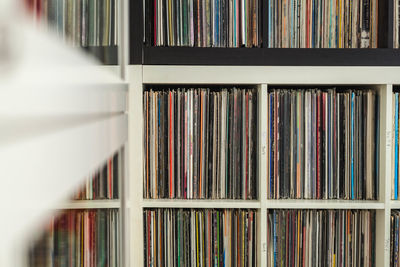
108 55
270 56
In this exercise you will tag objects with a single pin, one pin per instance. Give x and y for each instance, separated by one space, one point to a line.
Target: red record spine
323 130
201 144
318 146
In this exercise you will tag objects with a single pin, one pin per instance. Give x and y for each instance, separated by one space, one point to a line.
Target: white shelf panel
395 204
270 74
91 204
324 204
188 203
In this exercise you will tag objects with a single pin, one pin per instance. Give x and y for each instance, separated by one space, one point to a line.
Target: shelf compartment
90 204
189 203
324 204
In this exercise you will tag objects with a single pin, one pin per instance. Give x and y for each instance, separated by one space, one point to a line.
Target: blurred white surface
61 115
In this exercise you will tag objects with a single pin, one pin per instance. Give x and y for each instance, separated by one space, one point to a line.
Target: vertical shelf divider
262 173
385 174
135 130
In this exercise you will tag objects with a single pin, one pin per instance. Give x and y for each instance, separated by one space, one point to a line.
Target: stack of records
395 147
200 143
184 237
202 23
81 22
321 238
395 238
323 144
323 24
103 183
79 238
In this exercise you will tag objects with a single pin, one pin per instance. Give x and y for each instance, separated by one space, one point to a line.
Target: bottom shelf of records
200 237
88 237
233 237
321 237
395 238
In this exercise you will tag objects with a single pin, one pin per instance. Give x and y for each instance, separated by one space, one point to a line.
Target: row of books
200 143
395 238
321 238
202 23
79 238
104 182
395 147
82 23
323 144
200 237
323 24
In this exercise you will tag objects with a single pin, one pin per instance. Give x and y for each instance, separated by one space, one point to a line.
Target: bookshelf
54 138
93 27
384 55
100 220
71 118
260 67
100 129
381 79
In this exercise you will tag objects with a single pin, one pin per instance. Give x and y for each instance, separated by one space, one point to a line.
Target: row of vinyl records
202 23
395 238
79 238
323 143
81 23
395 147
200 237
102 183
321 238
200 143
323 24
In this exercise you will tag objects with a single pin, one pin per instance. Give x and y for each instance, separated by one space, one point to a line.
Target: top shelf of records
255 32
88 24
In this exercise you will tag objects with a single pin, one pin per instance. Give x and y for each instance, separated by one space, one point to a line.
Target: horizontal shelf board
271 56
323 204
275 75
91 204
395 204
189 203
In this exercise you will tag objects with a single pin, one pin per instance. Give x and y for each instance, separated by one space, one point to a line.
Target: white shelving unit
54 133
380 78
